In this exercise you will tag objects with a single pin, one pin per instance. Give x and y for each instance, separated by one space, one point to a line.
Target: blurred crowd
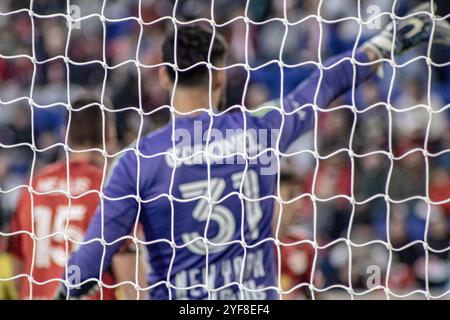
377 183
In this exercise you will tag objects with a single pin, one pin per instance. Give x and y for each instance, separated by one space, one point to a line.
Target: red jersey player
47 214
296 257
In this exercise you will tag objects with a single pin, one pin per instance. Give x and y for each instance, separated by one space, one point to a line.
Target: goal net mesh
371 201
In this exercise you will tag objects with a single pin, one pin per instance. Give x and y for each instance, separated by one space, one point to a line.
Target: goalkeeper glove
409 33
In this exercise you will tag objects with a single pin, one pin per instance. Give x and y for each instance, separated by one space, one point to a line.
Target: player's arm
339 74
124 270
113 220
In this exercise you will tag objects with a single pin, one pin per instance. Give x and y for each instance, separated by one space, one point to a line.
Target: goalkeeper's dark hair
86 123
193 44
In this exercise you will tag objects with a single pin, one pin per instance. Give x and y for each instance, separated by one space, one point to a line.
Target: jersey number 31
219 213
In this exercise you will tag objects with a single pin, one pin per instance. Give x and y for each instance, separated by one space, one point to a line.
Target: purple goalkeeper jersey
202 189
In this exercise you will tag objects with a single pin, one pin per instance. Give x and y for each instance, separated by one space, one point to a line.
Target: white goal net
362 202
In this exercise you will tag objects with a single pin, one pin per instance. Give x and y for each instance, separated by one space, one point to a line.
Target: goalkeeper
204 239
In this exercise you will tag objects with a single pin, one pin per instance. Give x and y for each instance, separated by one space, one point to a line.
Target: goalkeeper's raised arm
338 76
191 208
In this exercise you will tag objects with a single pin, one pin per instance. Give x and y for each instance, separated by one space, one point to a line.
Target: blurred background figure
48 211
295 252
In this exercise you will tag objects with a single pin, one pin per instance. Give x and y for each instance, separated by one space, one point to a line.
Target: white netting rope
315 153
